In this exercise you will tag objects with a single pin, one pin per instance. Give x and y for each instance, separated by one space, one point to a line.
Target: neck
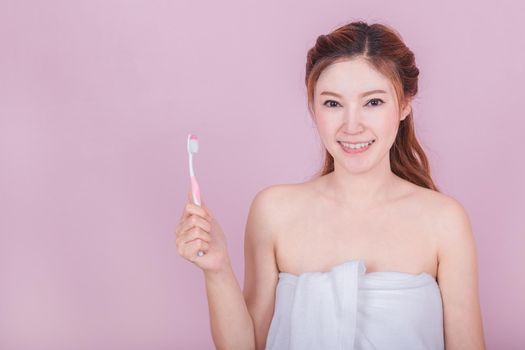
361 190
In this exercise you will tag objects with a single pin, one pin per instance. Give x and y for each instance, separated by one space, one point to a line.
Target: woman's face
345 110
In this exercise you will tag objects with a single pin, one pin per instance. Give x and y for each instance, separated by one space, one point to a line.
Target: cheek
326 132
387 130
385 123
324 124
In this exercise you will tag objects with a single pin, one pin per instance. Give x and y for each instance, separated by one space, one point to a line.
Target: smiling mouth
355 148
355 145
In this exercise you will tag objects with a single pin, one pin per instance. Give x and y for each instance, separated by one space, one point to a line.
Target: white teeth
357 145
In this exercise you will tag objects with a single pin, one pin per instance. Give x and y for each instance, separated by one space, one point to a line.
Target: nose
352 122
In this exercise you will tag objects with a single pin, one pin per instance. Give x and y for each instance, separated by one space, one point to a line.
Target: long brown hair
383 48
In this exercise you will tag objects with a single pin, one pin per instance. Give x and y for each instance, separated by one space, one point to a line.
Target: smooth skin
361 210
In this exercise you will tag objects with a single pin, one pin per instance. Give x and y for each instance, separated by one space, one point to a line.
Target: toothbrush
193 148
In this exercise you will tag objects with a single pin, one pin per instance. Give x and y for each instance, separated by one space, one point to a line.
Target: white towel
346 308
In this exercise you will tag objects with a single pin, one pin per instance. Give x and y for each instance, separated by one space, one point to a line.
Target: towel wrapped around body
348 309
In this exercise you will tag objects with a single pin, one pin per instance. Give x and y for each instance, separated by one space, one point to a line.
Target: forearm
230 321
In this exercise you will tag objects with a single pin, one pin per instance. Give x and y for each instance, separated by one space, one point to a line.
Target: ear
406 111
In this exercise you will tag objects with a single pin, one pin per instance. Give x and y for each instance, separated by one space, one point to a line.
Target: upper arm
261 272
458 279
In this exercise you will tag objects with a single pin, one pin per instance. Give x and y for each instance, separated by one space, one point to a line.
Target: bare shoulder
272 209
277 201
263 216
275 193
435 202
448 218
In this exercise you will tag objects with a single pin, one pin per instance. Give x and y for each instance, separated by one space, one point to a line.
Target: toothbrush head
193 143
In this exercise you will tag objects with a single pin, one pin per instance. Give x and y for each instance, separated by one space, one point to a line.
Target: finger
206 209
178 230
194 221
193 209
180 241
189 199
192 237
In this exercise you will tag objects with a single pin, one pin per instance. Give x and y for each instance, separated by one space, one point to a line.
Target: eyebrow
362 95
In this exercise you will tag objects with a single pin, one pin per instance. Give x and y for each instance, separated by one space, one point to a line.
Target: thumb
205 207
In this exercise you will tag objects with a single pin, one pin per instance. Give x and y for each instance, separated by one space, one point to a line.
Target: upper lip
357 141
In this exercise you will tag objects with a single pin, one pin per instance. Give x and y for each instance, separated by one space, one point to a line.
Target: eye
376 100
324 104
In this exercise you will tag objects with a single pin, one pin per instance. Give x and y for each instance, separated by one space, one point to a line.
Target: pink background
96 100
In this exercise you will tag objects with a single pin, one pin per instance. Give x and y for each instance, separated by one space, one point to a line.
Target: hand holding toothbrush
200 239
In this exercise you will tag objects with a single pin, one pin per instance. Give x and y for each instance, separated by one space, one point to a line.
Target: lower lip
354 151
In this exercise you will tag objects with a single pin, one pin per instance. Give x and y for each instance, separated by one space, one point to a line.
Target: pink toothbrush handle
195 191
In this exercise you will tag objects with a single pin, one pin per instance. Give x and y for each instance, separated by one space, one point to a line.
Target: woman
372 207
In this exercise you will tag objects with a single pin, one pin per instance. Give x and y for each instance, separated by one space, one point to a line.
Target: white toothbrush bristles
193 144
